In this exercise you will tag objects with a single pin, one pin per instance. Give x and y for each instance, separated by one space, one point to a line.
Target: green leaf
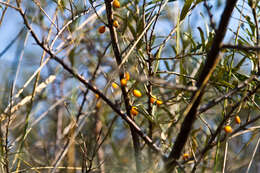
226 84
185 9
166 63
202 38
237 67
158 55
145 113
241 77
71 56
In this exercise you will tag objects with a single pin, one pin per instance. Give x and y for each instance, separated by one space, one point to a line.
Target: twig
118 57
220 126
240 47
9 5
92 88
214 102
253 155
212 23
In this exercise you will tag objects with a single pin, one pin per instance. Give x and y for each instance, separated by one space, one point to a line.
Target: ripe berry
237 120
127 76
152 99
228 129
115 24
123 82
116 4
137 93
159 102
185 156
114 85
134 111
102 29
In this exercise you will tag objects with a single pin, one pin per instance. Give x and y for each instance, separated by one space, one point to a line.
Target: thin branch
253 155
220 126
39 5
118 57
9 5
212 23
240 47
214 102
92 88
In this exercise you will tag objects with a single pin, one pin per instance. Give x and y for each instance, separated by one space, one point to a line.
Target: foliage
130 86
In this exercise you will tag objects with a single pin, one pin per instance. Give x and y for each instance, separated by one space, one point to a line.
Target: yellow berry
134 110
228 129
97 96
159 102
185 156
127 75
114 85
98 105
237 119
102 29
123 82
137 93
116 4
152 99
115 24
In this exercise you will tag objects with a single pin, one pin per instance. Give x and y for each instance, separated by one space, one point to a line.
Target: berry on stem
137 93
152 99
134 111
102 29
123 82
114 85
228 129
115 24
116 4
237 120
185 156
127 76
159 102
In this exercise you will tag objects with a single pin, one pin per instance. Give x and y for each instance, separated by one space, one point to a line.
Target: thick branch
191 111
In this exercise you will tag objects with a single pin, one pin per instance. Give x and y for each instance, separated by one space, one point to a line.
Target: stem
191 110
118 57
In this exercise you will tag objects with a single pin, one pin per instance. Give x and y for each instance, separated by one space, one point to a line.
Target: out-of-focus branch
91 87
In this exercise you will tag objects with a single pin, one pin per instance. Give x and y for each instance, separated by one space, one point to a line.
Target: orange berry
152 99
97 96
134 110
102 29
127 75
185 156
116 4
159 102
137 93
115 24
228 129
114 85
237 120
123 82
